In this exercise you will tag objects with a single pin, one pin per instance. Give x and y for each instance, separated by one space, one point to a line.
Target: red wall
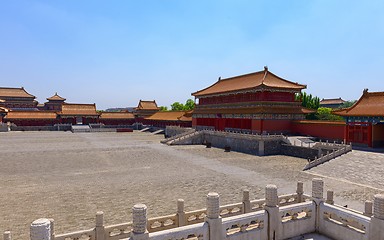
277 126
321 129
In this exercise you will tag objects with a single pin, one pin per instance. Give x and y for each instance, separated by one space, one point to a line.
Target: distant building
32 118
170 118
54 103
17 98
145 109
76 113
258 102
365 120
332 102
117 118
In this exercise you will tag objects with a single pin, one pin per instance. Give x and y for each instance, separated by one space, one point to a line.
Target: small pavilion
332 102
145 109
259 102
54 103
365 120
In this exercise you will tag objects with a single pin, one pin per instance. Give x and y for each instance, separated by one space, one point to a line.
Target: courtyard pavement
69 177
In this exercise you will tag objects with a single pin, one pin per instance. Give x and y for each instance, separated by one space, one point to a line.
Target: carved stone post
7 235
100 232
40 229
377 221
317 188
139 222
246 201
368 208
271 206
213 217
330 197
52 228
317 195
261 148
180 212
300 191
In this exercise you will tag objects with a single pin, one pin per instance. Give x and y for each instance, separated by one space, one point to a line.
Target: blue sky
114 53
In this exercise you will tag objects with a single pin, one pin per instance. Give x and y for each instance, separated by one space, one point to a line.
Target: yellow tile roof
78 109
31 115
14 92
370 104
249 81
171 116
117 115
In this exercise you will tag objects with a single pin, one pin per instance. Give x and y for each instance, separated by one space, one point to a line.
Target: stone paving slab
70 176
311 236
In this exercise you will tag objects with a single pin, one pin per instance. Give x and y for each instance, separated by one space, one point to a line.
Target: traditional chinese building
365 120
54 103
257 102
145 109
117 118
3 112
31 118
76 113
332 102
17 98
170 118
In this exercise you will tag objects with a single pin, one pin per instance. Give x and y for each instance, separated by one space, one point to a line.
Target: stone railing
185 133
329 156
186 138
302 214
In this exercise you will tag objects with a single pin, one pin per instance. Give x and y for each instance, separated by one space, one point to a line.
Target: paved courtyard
69 177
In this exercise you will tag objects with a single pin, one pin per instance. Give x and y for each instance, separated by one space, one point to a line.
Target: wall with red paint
277 126
321 129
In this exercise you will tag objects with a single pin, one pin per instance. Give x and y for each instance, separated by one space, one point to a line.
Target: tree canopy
177 106
308 101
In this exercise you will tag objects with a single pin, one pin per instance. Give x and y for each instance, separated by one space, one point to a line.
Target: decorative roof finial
265 68
365 91
219 78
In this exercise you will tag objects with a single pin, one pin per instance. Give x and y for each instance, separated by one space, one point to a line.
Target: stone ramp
158 131
343 149
171 139
80 128
144 129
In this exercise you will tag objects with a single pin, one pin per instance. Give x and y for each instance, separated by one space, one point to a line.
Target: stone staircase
183 138
342 149
165 141
80 128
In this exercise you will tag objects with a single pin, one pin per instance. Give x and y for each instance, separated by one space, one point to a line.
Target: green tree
308 101
189 105
163 108
348 104
176 106
324 113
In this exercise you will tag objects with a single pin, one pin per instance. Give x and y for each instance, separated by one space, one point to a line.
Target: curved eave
259 87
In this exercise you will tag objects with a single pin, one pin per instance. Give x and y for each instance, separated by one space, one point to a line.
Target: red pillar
346 129
261 126
370 135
